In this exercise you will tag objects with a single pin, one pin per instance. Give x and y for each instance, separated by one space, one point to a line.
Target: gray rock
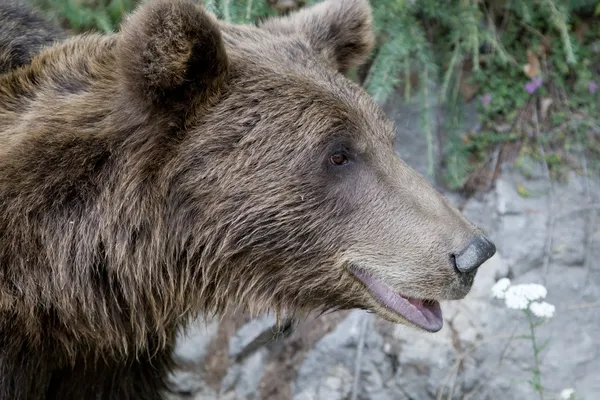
332 362
243 378
521 218
189 384
191 345
190 350
569 241
411 143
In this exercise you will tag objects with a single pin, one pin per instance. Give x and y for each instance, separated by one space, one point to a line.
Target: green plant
489 46
527 298
509 55
106 15
78 15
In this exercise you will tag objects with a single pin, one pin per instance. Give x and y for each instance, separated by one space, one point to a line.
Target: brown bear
187 165
23 33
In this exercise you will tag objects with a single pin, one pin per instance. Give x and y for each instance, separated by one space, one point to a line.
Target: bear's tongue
425 314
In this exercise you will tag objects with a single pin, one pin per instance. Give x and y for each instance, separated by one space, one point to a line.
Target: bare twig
520 114
532 30
508 342
462 356
506 17
359 354
588 191
551 214
584 305
473 391
278 331
589 222
454 376
496 164
537 375
587 207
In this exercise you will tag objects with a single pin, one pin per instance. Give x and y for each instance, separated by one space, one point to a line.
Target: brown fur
181 165
23 33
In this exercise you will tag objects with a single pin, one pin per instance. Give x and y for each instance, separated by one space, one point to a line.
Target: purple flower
593 86
486 99
533 85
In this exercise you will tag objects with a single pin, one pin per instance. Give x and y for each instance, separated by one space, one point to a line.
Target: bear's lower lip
426 314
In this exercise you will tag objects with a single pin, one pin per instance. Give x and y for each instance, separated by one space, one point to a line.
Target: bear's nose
476 253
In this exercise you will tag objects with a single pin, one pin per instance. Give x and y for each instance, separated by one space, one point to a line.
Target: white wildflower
519 296
499 288
514 299
542 309
567 393
533 291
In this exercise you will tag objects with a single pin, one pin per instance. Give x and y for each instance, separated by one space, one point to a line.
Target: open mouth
426 314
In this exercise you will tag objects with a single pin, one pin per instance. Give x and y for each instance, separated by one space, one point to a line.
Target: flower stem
537 375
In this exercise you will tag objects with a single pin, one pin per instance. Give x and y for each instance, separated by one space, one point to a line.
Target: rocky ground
551 237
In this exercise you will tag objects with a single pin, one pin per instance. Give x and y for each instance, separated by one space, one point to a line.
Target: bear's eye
338 158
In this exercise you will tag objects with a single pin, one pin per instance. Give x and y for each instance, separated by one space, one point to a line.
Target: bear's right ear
171 53
341 30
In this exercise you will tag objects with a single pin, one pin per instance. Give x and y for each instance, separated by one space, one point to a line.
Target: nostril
476 253
453 262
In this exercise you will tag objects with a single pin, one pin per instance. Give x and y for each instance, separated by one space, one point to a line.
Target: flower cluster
567 394
542 309
499 289
523 297
533 85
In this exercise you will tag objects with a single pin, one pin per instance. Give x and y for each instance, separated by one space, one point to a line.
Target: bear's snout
478 251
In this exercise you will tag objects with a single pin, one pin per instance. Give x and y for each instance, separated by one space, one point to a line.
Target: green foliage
490 40
240 11
106 15
430 50
82 15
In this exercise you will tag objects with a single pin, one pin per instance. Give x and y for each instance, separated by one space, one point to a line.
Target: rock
329 367
411 142
191 345
569 241
519 215
336 384
189 384
323 372
190 350
244 377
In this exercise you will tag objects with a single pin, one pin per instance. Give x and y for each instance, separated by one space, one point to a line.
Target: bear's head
285 190
185 164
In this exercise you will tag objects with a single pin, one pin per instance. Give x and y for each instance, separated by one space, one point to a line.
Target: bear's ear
170 52
342 30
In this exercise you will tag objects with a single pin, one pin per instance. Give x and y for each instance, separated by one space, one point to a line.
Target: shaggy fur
23 33
184 165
